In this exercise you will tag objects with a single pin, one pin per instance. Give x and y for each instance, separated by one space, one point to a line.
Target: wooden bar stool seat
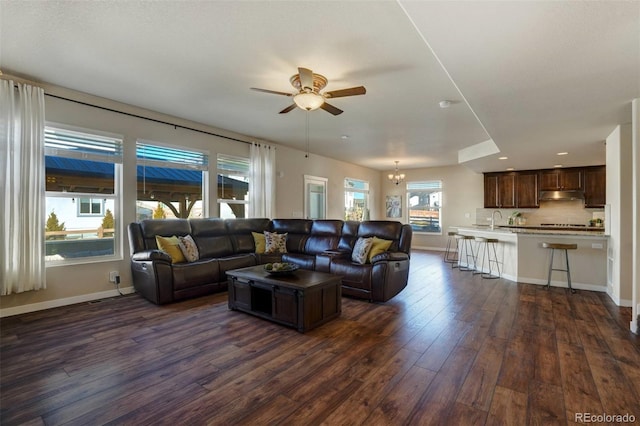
560 246
451 252
487 246
466 252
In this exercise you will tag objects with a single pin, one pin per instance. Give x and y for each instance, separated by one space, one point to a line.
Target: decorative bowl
280 268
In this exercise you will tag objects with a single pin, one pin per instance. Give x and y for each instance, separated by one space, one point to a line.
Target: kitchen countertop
539 230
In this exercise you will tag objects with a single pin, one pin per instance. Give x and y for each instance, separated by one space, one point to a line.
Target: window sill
82 261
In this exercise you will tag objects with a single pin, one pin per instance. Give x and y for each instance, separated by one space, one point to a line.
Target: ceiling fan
308 96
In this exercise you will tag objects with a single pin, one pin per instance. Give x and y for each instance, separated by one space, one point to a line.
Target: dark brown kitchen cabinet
595 186
491 190
561 179
499 190
527 190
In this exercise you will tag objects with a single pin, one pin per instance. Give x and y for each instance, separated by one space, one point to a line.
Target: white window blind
74 144
149 154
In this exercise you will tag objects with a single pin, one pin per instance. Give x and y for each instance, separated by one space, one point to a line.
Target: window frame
246 174
366 215
197 160
116 196
439 208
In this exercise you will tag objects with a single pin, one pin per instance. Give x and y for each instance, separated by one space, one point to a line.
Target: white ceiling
535 77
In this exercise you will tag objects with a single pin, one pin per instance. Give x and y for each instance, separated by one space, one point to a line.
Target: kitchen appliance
561 195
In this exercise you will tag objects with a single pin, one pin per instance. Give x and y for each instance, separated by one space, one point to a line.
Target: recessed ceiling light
557 165
562 153
445 104
510 169
503 158
344 137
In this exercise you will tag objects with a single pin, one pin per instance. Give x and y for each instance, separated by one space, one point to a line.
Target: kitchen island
523 259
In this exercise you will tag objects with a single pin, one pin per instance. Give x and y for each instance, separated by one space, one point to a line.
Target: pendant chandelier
396 177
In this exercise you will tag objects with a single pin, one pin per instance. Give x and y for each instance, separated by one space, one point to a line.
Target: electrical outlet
113 276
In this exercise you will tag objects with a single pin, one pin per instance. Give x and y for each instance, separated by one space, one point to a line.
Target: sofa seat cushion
353 274
235 262
194 274
305 261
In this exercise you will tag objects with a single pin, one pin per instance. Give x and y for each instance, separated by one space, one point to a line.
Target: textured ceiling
535 77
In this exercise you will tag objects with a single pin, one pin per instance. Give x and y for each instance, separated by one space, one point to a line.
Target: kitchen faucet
493 218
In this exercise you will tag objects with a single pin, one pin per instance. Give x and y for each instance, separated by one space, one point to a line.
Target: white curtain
262 185
22 190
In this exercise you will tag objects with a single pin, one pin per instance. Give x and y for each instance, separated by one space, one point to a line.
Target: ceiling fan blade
287 109
306 78
273 92
331 109
352 91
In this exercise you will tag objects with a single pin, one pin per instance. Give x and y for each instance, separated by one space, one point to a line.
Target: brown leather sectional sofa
225 244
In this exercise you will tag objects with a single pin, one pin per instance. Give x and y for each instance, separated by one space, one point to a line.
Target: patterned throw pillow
275 243
171 246
361 250
378 246
259 241
189 248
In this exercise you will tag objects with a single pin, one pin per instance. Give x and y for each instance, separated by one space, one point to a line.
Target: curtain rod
175 126
148 118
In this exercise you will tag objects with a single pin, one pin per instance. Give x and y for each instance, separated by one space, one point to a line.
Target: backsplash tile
549 212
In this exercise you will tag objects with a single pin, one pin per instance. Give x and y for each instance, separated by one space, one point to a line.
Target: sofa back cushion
211 237
387 230
297 231
325 235
151 228
240 233
349 235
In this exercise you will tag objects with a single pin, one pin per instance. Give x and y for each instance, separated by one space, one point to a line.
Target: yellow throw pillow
171 245
259 241
379 246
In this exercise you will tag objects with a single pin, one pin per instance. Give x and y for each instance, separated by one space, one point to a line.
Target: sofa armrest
390 256
324 259
151 255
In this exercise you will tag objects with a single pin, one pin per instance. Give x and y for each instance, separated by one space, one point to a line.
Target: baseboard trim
626 303
40 306
429 248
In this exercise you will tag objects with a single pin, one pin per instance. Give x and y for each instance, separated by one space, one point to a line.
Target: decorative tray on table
280 268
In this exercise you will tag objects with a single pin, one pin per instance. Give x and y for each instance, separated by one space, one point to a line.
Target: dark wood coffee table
303 299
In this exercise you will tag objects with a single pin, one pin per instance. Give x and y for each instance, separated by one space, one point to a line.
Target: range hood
561 195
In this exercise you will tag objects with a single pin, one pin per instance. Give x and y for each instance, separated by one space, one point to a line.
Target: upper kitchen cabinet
561 179
595 186
499 190
527 190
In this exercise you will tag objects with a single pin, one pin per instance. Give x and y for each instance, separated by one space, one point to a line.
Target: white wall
463 192
619 174
291 166
635 317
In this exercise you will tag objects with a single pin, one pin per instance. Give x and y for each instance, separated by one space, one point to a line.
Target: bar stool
565 247
464 245
451 254
483 245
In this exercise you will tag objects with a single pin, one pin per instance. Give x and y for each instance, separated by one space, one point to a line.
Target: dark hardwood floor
450 349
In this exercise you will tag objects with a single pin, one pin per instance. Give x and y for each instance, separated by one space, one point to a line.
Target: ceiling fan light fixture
308 101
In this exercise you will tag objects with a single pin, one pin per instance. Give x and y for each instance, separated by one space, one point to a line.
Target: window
90 207
82 195
233 186
425 203
356 199
171 182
